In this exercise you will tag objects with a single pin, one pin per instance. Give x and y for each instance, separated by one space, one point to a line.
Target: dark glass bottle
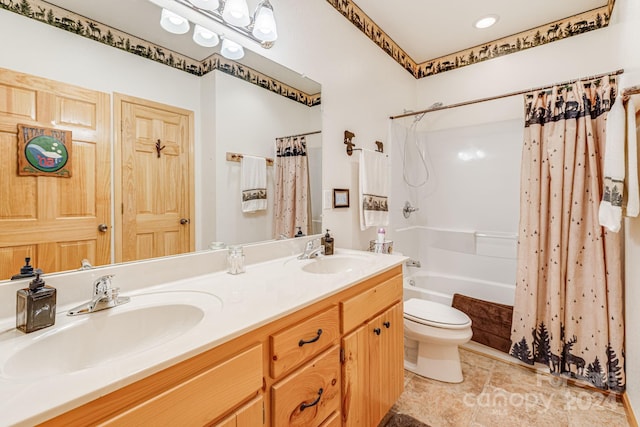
35 306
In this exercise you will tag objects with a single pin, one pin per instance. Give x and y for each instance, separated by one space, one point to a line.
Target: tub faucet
311 251
412 263
104 296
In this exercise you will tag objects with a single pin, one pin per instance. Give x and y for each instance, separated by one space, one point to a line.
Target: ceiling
418 31
428 29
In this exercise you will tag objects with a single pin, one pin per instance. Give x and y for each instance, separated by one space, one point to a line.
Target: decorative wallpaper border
61 18
554 31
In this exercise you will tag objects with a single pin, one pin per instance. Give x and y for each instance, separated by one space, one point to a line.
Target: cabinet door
355 379
386 374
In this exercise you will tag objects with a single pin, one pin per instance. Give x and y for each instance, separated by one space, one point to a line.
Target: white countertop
265 292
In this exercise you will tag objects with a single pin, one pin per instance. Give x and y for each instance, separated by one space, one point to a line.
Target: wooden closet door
155 187
54 220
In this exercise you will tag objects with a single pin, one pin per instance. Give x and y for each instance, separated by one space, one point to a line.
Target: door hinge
122 208
341 355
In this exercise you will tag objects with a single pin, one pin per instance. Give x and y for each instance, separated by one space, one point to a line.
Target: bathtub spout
413 263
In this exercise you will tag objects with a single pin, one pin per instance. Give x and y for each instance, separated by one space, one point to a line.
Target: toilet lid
435 314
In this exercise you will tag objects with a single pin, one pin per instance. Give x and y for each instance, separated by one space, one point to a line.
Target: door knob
184 221
103 228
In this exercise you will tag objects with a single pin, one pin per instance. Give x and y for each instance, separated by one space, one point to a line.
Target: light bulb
236 12
211 5
264 28
173 23
205 37
231 49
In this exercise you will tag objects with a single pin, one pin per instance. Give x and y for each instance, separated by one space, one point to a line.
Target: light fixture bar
211 20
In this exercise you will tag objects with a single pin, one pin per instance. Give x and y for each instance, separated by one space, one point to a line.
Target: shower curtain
292 207
568 311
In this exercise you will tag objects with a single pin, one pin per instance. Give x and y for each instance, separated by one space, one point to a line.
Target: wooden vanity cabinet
372 371
273 375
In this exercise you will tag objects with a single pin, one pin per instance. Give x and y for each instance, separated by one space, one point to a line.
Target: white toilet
432 334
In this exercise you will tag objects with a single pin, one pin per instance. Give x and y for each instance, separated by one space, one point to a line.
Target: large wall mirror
118 48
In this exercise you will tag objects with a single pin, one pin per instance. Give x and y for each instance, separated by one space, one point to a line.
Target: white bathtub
440 288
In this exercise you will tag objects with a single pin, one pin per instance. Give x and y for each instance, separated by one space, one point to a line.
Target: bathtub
440 288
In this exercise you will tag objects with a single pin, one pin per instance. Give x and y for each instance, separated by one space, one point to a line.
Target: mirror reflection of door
56 221
154 179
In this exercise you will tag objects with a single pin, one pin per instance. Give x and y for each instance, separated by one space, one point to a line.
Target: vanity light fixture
486 21
215 20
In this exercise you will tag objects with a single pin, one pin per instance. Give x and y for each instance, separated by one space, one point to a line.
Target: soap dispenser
299 233
327 241
25 271
35 306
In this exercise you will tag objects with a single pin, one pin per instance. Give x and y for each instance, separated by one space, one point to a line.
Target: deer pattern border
554 31
44 12
603 373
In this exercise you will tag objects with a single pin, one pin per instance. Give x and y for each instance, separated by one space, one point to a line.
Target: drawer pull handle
314 403
312 340
387 324
377 331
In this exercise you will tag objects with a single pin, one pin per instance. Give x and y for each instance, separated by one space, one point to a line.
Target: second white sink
335 264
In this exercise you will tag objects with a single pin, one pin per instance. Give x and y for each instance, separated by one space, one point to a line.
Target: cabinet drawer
293 346
202 398
309 395
359 309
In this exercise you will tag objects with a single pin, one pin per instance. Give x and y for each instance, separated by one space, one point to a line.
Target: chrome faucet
311 251
104 296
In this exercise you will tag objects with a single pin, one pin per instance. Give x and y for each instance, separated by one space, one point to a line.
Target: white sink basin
76 343
335 264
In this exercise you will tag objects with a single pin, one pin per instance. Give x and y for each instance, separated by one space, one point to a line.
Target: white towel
253 183
633 192
610 212
373 189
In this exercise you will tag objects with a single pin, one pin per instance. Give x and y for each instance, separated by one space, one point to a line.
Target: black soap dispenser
35 306
25 271
327 241
299 233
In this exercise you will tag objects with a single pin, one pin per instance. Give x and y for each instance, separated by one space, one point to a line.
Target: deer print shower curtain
568 311
292 206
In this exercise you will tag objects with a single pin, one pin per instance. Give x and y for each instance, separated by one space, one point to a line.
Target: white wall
248 119
361 87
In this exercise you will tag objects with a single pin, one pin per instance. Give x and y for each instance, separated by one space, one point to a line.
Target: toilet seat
435 314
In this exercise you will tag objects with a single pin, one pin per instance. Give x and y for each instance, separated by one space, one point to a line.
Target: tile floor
496 393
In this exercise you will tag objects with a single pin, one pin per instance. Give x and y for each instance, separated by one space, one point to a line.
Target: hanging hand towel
373 189
610 213
633 193
253 183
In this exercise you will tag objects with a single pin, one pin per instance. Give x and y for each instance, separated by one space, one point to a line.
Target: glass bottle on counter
235 260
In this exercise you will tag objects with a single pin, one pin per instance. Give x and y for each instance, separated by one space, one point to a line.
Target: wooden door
55 221
154 190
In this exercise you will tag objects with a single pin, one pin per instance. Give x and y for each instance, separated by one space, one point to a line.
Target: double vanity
313 342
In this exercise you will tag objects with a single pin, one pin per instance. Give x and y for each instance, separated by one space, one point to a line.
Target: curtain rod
300 134
506 95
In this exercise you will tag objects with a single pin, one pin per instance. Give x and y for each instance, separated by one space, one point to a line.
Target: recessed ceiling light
486 21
